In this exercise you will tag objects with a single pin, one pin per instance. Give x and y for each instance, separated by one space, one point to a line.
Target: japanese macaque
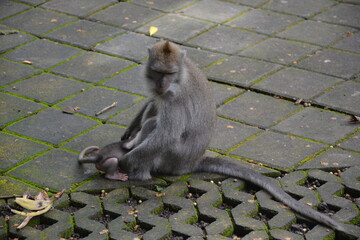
181 111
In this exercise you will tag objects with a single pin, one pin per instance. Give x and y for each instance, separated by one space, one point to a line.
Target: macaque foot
117 176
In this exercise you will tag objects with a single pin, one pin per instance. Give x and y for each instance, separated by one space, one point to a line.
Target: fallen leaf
132 212
309 204
229 126
68 110
152 30
27 62
105 231
160 194
53 20
324 163
81 30
335 164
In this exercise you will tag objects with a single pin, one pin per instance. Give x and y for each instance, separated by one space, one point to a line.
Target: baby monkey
107 158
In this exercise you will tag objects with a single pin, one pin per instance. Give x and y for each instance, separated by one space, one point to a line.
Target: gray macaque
183 109
107 159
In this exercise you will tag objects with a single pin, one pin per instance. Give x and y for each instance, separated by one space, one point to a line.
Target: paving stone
263 21
239 71
278 150
333 62
164 5
317 124
158 226
10 71
347 208
228 133
279 50
124 118
104 97
351 43
213 10
224 92
352 143
226 39
345 97
14 150
38 21
11 41
8 8
304 8
101 183
112 202
318 33
13 108
83 33
56 169
291 184
186 27
52 126
78 7
47 88
206 202
42 53
92 67
131 81
99 136
34 2
253 3
297 83
284 217
333 159
202 58
257 109
10 187
283 234
132 16
256 235
88 214
351 178
345 14
54 222
130 45
319 232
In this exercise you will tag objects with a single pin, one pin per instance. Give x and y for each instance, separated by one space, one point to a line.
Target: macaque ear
167 47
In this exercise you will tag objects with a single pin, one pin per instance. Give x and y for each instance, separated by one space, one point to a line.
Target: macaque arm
136 123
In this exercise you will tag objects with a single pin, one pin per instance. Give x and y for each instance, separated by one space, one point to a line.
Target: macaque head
164 66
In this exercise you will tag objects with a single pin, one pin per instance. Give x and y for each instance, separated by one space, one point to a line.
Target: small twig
105 109
7 32
10 196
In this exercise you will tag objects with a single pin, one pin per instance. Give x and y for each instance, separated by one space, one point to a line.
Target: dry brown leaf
27 62
132 212
105 231
229 126
160 194
324 163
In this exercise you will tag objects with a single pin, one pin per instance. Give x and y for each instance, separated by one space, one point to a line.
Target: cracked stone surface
285 75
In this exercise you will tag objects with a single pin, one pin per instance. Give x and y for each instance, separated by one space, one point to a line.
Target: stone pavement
286 75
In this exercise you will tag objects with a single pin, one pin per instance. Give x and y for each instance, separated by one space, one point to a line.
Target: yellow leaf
152 30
